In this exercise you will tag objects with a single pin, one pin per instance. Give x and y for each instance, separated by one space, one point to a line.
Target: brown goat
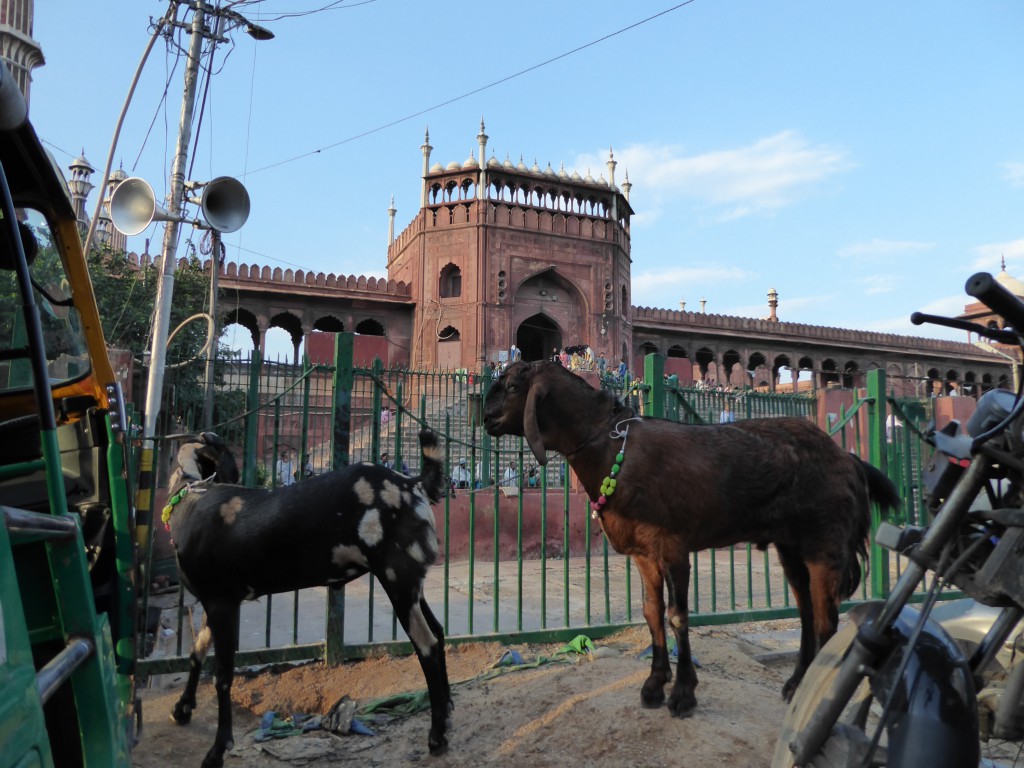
683 488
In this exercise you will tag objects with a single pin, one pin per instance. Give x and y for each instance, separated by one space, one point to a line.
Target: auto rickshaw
67 542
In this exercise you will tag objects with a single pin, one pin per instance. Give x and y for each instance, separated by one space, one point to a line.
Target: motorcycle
894 687
968 622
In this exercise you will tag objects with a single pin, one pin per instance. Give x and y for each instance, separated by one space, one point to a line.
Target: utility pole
165 286
211 352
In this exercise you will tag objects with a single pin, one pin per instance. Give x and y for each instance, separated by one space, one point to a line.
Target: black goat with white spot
235 543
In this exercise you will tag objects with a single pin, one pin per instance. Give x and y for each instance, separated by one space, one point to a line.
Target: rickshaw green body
67 549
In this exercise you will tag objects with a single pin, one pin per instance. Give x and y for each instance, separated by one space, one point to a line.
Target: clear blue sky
863 159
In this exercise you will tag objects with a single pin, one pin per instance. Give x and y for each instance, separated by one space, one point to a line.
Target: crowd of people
287 469
462 478
576 358
582 358
713 386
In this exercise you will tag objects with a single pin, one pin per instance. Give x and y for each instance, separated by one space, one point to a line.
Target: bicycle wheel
851 736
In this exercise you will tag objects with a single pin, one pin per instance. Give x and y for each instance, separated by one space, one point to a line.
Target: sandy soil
584 713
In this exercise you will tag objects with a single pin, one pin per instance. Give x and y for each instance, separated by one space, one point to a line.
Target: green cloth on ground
403 704
273 727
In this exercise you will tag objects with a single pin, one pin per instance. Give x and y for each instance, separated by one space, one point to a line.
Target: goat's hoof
182 713
213 760
682 706
652 696
438 745
790 687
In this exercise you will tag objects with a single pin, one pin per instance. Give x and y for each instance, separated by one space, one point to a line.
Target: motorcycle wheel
851 736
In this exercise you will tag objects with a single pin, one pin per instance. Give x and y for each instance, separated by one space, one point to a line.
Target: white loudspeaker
225 204
133 206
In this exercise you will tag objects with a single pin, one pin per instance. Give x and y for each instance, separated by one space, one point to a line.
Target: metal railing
522 560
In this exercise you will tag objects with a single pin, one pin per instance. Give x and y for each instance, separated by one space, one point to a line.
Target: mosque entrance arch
548 313
537 336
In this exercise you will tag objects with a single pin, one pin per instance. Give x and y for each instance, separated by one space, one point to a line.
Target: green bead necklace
172 502
610 482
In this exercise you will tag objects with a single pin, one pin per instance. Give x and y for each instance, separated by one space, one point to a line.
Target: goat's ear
531 430
189 461
209 459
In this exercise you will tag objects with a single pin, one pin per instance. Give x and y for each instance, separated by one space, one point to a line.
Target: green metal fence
522 559
889 433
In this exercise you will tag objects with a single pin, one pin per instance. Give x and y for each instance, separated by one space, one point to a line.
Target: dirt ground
584 712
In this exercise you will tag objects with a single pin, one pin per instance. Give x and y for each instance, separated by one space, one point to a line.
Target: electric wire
171 11
473 92
161 108
335 6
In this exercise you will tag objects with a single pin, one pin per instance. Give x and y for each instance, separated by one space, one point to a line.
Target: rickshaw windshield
66 351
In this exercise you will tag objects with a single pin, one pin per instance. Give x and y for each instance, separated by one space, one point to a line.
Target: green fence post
252 421
485 387
877 456
275 480
399 422
304 444
654 378
672 395
341 407
377 402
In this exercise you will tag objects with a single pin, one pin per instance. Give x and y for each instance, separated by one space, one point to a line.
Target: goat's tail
432 476
880 488
883 491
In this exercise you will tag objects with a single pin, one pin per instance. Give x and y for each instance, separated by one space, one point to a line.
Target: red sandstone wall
457 531
320 349
681 367
949 408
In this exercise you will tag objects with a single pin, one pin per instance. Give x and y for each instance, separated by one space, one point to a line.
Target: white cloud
788 311
878 248
665 288
759 178
949 306
875 284
989 257
1013 172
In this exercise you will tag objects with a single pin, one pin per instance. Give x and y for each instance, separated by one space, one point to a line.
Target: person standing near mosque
285 468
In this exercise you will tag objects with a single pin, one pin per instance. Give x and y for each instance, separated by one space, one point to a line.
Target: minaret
626 186
391 221
425 148
80 187
481 188
20 53
106 234
773 305
611 183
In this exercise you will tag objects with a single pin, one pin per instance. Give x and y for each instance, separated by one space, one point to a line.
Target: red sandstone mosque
501 254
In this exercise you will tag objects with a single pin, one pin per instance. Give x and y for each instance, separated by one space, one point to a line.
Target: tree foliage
126 297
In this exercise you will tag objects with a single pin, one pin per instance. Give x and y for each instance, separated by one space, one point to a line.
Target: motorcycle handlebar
1003 337
992 294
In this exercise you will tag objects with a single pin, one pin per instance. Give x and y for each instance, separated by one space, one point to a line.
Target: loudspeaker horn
133 207
225 204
